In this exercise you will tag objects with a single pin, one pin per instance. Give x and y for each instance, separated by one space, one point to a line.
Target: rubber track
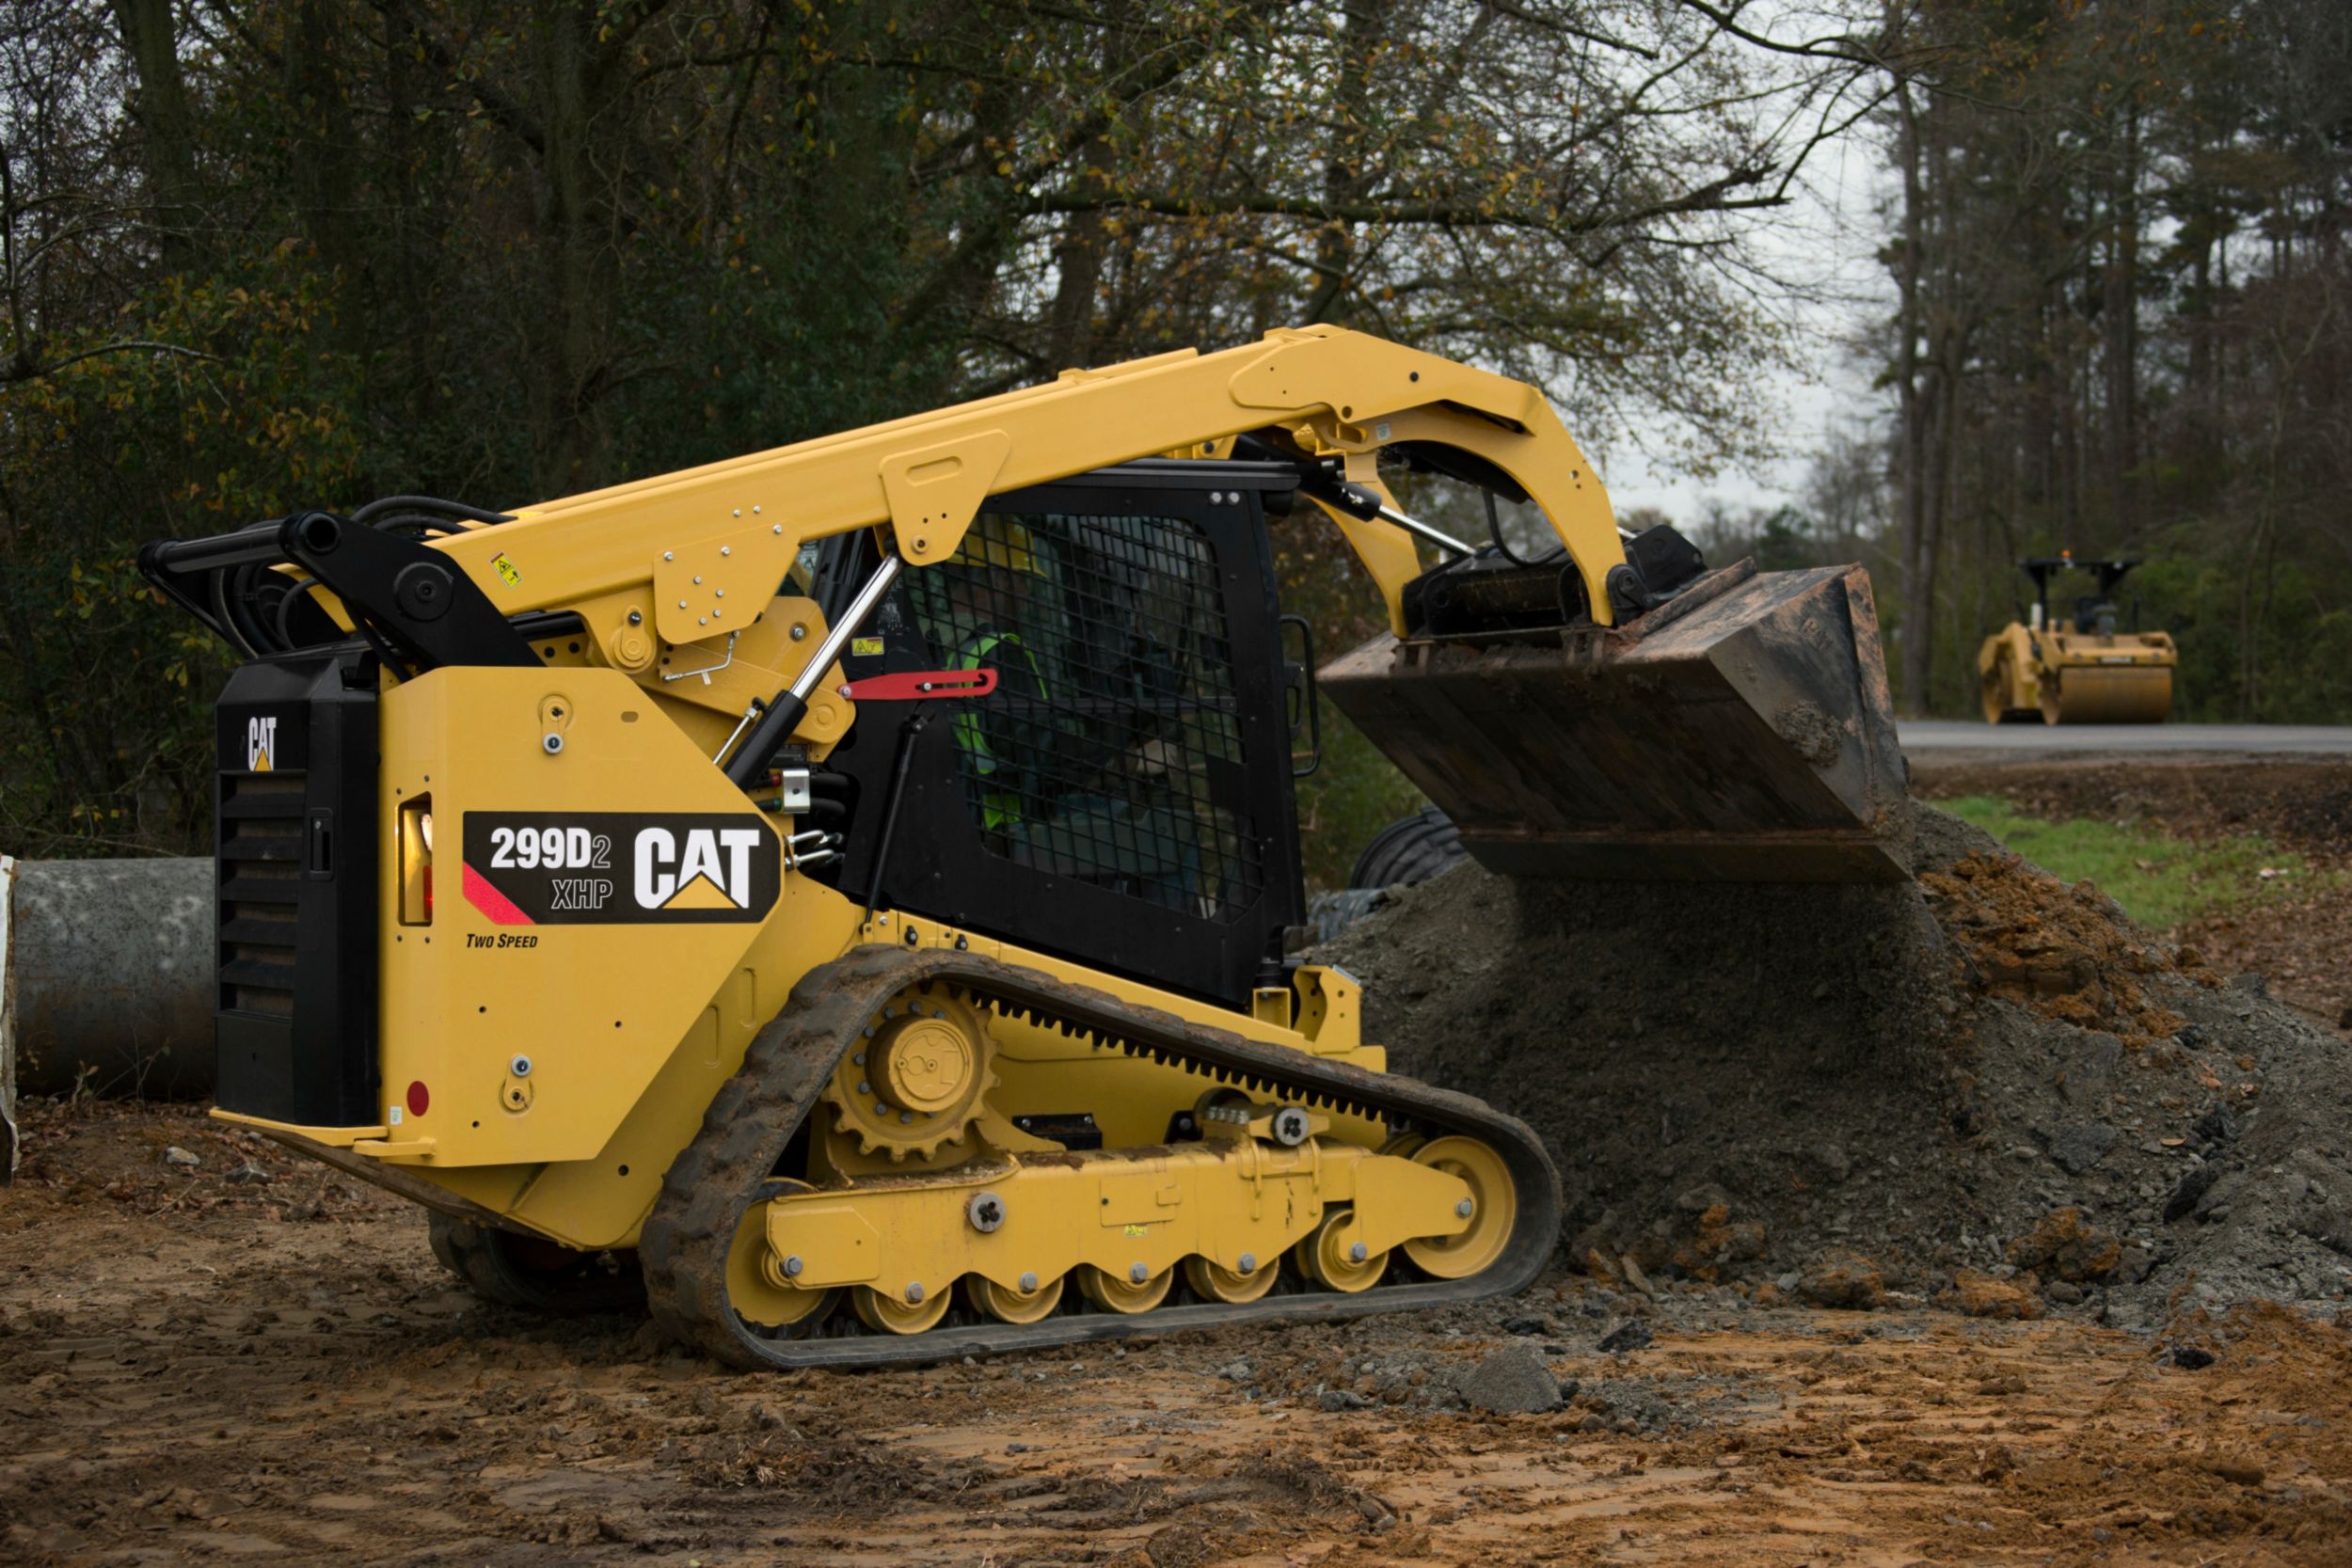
712 1184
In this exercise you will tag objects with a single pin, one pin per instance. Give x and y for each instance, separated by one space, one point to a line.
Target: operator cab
1124 793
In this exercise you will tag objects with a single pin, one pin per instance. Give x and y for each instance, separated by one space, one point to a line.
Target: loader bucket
1739 733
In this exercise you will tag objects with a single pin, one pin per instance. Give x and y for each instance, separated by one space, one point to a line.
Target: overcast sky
1829 241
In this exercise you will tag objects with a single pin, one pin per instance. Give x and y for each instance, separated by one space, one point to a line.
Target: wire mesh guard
1111 752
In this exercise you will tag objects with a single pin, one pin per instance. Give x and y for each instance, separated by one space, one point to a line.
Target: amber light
415 851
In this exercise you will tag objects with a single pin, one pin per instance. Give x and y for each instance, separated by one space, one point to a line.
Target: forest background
257 254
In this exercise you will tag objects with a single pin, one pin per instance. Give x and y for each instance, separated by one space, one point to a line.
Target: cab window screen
1111 752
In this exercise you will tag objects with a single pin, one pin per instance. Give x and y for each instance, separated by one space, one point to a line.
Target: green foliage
110 745
1355 794
278 253
2161 881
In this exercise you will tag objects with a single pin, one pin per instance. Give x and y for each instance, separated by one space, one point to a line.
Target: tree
2117 259
270 253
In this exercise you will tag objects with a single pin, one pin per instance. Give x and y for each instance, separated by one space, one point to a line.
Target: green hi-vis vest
1000 806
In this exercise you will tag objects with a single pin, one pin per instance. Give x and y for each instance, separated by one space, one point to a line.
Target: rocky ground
240 1359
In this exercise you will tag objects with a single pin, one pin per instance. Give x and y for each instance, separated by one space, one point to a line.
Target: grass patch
2159 879
1355 794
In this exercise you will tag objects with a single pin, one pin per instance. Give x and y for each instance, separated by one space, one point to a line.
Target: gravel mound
1984 1088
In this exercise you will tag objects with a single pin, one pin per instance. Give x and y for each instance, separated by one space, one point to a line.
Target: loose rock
2078 1146
1513 1380
1628 1336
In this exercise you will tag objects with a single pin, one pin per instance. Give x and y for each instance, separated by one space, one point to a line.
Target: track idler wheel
1494 1209
1215 1282
1115 1293
780 1310
1338 1265
1011 1304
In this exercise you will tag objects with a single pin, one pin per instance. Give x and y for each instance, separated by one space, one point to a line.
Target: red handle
915 686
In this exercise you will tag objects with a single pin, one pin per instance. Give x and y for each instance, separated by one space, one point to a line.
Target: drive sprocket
918 1076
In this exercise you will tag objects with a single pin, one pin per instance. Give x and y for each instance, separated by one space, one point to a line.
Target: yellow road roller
2076 668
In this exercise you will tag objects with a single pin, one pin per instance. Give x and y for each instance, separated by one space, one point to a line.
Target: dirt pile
1985 1088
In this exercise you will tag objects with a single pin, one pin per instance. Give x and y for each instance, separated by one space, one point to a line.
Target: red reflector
428 895
418 1097
913 686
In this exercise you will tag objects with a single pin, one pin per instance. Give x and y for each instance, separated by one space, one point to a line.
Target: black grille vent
294 1022
260 890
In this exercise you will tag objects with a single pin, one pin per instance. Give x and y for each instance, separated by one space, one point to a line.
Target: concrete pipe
106 980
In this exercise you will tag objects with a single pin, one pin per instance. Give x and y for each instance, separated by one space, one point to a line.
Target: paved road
2077 740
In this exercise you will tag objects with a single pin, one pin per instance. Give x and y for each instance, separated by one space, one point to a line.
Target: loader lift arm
679 543
1333 393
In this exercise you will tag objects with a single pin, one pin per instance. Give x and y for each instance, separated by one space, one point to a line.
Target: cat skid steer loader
854 889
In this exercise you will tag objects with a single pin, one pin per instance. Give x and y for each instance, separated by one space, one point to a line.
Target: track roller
1214 1282
897 1314
1336 1264
1011 1304
1114 1295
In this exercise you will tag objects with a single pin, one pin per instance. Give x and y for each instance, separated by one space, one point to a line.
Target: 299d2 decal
620 869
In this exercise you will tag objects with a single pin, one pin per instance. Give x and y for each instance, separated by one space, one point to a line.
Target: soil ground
2062 1170
195 1368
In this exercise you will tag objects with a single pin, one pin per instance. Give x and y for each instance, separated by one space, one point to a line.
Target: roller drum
2107 694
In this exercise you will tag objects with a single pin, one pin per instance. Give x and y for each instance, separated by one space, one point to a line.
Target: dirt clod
1984 1295
2067 1246
1845 1280
2066 952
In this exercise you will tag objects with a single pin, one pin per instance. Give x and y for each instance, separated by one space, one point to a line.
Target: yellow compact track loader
849 894
2077 669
